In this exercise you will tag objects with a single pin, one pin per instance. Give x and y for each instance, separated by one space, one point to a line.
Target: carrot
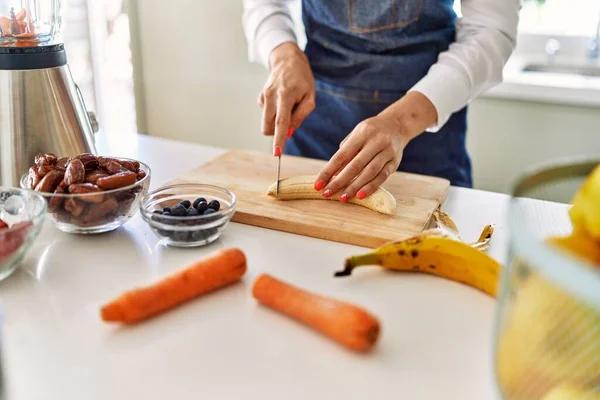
213 272
345 323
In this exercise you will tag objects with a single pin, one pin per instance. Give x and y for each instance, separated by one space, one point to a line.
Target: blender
41 107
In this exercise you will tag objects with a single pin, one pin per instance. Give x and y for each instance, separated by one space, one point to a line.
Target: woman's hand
288 96
373 150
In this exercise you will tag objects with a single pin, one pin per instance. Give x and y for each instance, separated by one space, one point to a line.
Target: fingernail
344 198
319 185
277 151
290 132
361 195
327 193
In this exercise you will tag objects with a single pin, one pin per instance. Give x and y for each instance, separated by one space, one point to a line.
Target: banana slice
302 188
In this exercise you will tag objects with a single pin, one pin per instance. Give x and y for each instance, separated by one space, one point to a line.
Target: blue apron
365 55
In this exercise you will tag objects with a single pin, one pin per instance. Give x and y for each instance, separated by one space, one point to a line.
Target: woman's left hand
366 158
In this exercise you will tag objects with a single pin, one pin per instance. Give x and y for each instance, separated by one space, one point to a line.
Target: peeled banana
302 188
436 254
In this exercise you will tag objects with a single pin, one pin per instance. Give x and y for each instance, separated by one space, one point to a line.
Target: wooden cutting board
249 174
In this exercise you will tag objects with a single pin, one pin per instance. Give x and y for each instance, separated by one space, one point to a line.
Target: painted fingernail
290 132
277 151
344 198
319 185
361 195
327 193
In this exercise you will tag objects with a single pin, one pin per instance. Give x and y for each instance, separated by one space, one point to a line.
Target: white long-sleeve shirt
485 38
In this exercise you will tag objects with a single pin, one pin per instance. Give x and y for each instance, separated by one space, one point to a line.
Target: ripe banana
437 255
302 188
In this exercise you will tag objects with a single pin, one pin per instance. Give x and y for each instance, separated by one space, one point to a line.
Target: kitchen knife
278 172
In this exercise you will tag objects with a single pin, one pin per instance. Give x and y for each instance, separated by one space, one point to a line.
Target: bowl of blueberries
189 214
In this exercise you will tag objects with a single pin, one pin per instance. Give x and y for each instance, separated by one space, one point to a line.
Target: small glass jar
29 22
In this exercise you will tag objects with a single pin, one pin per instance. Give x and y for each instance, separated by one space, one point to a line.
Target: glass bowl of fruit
22 215
189 214
88 194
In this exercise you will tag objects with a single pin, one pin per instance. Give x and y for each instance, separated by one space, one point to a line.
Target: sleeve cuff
269 41
446 89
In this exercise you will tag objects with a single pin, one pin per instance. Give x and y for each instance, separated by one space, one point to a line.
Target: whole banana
302 188
437 255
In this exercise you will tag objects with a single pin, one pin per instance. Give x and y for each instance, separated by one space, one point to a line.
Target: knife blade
278 173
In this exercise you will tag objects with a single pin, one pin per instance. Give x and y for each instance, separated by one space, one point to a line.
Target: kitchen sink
555 68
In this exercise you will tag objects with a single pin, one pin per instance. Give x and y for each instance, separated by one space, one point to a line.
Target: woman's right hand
288 96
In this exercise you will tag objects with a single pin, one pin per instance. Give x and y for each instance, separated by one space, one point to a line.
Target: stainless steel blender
41 107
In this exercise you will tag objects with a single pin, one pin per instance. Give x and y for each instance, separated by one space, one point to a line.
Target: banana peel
439 252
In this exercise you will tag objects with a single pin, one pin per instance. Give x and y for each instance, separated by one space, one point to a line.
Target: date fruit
44 169
33 178
99 210
56 201
90 161
45 159
61 163
75 172
87 189
93 176
50 182
117 181
77 187
74 206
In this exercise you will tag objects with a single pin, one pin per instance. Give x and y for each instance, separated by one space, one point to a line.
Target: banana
437 255
302 188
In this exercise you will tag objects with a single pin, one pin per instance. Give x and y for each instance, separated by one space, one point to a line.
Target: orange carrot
213 272
347 324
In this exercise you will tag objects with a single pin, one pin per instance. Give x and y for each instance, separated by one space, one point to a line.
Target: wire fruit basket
547 334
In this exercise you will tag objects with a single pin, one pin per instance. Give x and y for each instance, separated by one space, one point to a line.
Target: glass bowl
187 231
96 212
23 214
547 328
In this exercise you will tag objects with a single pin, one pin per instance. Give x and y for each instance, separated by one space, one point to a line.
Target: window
560 17
557 17
96 37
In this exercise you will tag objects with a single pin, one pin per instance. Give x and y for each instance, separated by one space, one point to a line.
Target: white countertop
436 340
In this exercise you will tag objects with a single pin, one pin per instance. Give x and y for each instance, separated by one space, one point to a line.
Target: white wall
198 86
197 82
505 137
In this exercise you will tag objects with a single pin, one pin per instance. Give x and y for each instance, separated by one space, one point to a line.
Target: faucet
594 44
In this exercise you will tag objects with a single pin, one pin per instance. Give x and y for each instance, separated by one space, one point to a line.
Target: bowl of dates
88 194
188 215
22 215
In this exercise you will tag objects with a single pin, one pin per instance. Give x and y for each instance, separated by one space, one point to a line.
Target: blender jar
29 22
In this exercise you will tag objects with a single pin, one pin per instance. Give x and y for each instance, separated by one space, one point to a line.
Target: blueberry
178 211
196 236
167 213
201 207
166 209
186 203
215 205
157 212
198 201
163 233
192 212
180 236
209 211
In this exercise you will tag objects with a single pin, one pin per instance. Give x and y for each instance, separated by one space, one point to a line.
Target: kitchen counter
436 338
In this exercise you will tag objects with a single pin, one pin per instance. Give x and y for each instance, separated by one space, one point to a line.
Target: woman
381 85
